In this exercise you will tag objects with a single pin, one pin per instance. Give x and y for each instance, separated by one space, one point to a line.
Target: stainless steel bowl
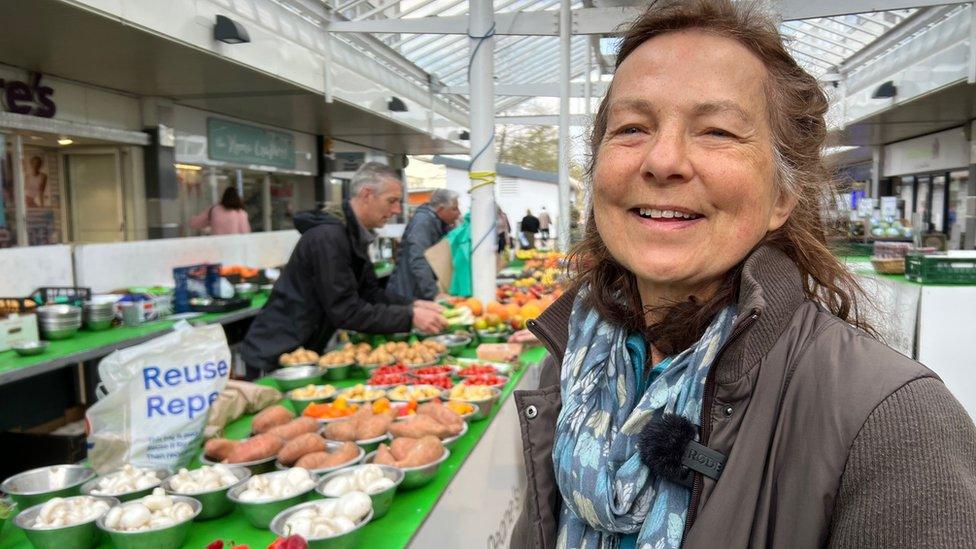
166 537
415 477
493 337
30 348
213 503
370 444
337 372
301 403
449 441
348 540
83 535
482 407
45 312
245 289
381 500
259 514
98 325
256 467
332 446
88 487
293 377
56 334
455 343
368 368
35 486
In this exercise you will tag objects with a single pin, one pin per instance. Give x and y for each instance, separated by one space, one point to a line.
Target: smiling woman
712 381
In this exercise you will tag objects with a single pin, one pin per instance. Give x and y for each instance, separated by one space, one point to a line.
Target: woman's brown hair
231 200
797 106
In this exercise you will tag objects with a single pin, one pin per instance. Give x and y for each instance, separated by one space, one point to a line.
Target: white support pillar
20 199
562 220
587 84
266 201
215 192
877 168
482 172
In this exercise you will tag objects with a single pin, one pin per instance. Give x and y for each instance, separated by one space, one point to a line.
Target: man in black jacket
329 281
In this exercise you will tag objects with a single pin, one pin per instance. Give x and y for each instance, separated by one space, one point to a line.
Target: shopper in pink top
227 217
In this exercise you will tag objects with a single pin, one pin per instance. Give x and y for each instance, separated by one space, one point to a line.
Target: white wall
23 270
106 267
513 195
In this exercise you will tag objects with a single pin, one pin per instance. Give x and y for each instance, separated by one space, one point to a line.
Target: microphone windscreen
662 446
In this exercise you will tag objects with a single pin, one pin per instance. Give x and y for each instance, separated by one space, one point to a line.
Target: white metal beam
535 89
525 23
805 9
820 37
610 20
541 120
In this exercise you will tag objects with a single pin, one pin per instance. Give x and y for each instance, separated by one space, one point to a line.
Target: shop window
8 216
43 196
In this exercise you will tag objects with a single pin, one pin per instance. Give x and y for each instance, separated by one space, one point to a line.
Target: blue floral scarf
606 490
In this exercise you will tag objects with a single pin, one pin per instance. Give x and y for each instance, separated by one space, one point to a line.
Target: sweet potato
401 446
426 450
321 460
299 446
218 448
442 414
257 447
423 425
294 428
384 456
270 417
341 430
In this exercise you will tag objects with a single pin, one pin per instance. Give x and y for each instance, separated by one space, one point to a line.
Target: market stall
484 462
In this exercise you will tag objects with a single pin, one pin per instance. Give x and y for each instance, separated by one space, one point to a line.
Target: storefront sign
939 151
243 144
28 98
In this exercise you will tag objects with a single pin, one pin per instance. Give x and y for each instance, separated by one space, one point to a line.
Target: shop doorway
95 189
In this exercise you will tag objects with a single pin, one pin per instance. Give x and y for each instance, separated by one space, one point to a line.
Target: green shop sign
243 144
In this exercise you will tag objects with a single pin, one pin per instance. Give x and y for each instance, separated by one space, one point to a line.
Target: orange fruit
512 310
496 308
530 310
475 305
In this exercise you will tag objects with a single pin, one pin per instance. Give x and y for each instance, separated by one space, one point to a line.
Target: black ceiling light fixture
229 31
464 136
397 105
885 91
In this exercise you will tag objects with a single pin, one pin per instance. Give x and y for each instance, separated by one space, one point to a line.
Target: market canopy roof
821 36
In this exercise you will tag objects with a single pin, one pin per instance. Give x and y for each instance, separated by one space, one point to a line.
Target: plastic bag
154 399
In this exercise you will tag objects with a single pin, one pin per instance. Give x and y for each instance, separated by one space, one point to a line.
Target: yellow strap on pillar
484 178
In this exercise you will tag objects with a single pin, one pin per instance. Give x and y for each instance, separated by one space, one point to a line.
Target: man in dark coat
413 277
329 282
529 227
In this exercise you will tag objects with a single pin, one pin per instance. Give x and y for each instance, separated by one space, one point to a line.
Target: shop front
68 159
272 169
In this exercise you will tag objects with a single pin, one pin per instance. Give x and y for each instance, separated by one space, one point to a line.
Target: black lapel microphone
669 449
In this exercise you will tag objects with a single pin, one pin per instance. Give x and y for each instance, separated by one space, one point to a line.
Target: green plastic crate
933 269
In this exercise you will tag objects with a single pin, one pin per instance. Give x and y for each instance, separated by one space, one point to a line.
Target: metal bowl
418 400
482 407
161 473
336 372
245 289
368 368
449 441
30 348
98 325
493 337
455 343
370 444
35 486
301 403
166 537
331 445
214 503
256 467
46 312
294 377
381 500
83 535
55 334
348 540
415 477
259 514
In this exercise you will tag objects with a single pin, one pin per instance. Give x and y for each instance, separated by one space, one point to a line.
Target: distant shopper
329 283
503 228
544 222
529 228
413 276
227 217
